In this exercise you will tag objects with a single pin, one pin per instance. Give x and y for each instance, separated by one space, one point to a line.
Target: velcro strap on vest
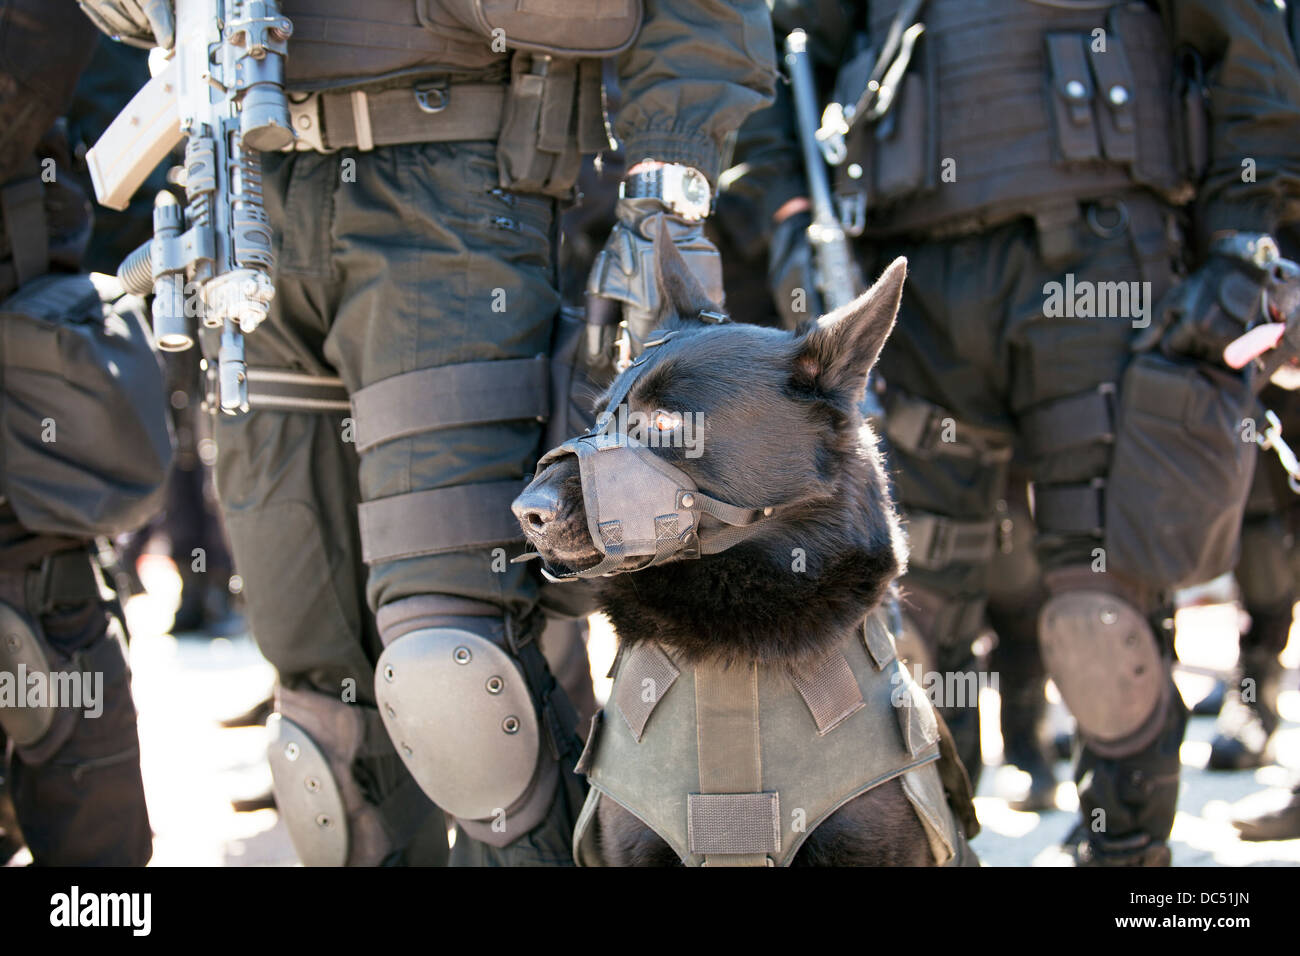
446 396
423 113
830 690
731 821
936 541
281 390
441 520
1070 509
734 829
922 428
1069 422
875 634
647 674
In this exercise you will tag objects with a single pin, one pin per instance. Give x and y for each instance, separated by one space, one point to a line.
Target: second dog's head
756 418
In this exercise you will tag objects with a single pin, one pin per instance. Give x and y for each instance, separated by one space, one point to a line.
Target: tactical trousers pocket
1180 473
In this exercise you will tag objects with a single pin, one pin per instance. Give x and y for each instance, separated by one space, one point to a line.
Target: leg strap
936 541
471 393
925 430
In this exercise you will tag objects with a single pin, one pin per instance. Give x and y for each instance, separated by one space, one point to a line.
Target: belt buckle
431 98
305 117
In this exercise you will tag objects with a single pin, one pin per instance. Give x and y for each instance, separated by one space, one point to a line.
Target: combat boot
1249 716
1030 758
1092 849
11 838
1270 815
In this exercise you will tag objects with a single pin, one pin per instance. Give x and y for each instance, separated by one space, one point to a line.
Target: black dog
780 424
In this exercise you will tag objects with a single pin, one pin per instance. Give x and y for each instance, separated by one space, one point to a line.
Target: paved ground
192 767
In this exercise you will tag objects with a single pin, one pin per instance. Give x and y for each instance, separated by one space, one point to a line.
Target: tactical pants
77 792
1268 570
390 261
1016 596
976 340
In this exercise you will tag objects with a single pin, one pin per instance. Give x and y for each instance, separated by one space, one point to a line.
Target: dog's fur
781 427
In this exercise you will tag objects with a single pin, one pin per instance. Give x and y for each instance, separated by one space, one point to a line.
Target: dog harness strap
830 690
728 756
875 634
730 821
647 674
446 396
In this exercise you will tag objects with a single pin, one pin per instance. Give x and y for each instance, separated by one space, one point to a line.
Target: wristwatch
683 189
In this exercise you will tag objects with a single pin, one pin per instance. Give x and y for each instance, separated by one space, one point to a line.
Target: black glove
1215 305
791 274
142 23
624 270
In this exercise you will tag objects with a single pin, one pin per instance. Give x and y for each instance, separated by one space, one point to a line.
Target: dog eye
665 421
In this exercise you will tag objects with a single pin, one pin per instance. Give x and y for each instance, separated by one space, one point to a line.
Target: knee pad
22 653
1104 658
40 727
315 738
459 710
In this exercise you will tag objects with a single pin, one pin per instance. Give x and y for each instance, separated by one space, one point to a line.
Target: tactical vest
1010 107
343 42
737 765
525 73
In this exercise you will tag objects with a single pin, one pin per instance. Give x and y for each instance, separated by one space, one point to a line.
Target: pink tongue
1257 341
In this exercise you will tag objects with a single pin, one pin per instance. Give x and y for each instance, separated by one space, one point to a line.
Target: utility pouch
1191 116
553 117
1071 90
1180 472
901 160
572 28
895 156
85 443
1117 94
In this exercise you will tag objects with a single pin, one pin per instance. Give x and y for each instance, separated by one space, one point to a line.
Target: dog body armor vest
735 766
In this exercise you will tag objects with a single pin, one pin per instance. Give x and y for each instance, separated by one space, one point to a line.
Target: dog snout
538 506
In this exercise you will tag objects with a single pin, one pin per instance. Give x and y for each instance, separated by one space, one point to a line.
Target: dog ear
835 353
680 293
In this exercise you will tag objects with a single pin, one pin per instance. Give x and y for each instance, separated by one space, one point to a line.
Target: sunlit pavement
192 766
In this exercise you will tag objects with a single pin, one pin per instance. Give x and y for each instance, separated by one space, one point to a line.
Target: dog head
754 417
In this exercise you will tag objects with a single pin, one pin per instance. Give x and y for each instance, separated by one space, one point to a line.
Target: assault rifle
836 273
221 87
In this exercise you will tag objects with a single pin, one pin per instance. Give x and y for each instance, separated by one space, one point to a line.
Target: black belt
65 578
428 112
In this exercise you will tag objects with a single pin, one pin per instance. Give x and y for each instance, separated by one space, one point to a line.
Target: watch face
695 188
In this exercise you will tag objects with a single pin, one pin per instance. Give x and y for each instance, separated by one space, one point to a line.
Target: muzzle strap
639 505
